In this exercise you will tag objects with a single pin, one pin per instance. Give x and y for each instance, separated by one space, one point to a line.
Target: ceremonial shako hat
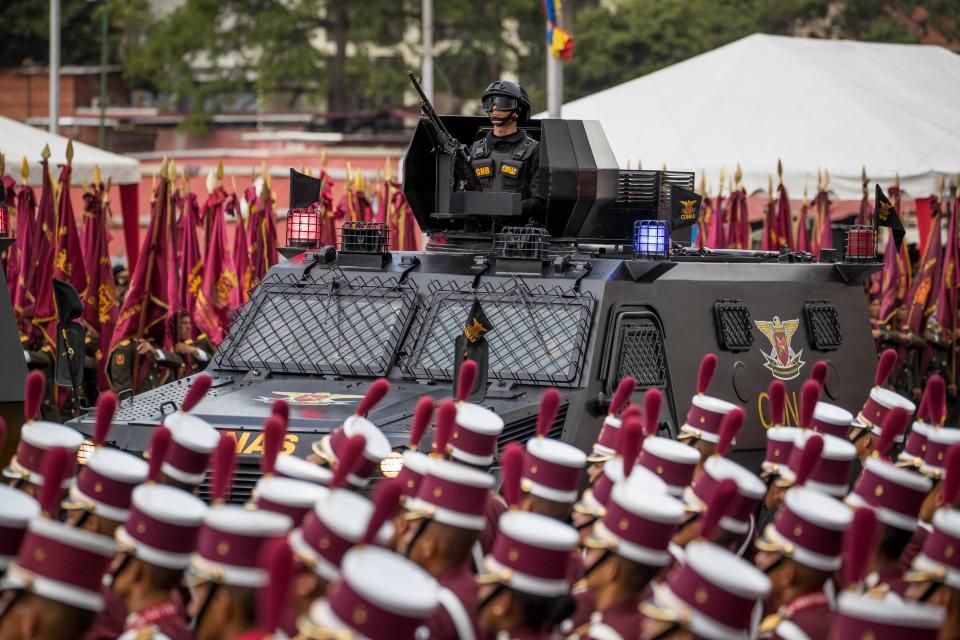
377 446
380 596
674 462
712 594
293 498
750 490
831 471
289 466
938 560
939 439
551 469
931 414
56 561
894 493
38 437
779 447
881 401
336 523
530 554
414 462
809 529
638 525
230 542
105 483
476 429
886 617
779 437
452 494
193 439
163 526
606 445
832 420
593 501
18 509
706 412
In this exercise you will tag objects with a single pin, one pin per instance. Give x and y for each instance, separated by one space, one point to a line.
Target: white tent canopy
18 140
830 104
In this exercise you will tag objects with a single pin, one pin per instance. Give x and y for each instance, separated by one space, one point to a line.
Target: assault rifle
444 142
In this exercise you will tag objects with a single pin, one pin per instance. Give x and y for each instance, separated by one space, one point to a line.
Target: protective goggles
501 102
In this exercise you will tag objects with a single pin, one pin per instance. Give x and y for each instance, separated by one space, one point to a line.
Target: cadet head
506 102
30 616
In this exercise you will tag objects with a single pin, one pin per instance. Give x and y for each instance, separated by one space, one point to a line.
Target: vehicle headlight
391 465
86 448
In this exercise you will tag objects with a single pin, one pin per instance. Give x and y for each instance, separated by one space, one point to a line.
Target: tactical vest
501 170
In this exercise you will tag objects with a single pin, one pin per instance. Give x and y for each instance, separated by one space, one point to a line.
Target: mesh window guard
330 324
734 328
823 325
539 335
641 354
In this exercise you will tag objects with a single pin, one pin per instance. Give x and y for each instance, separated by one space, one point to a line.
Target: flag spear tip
324 156
220 170
3 164
172 171
97 178
780 169
45 154
70 152
211 182
896 180
863 173
738 174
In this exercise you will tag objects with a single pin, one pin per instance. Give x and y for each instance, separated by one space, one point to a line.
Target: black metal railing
329 324
538 335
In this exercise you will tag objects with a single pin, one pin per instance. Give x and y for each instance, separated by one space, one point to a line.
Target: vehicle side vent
525 428
245 478
638 188
682 179
641 354
527 243
733 325
823 325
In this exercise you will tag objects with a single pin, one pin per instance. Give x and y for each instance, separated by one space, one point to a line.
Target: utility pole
426 69
54 67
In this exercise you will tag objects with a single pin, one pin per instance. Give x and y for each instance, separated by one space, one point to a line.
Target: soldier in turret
506 158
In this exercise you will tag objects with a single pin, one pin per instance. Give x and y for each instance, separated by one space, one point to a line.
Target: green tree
25 33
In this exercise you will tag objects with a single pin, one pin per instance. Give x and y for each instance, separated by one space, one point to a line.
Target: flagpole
554 85
54 68
426 68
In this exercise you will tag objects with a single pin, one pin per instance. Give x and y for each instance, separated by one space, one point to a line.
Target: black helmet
517 99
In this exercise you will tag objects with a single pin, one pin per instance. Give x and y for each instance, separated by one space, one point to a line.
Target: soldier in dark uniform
506 158
194 354
154 364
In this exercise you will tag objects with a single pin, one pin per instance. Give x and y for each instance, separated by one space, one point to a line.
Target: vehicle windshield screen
536 336
334 326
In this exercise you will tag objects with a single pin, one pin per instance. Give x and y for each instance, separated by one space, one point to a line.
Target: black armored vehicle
594 290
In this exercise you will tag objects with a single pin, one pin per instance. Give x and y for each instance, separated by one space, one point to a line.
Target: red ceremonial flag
716 236
769 240
262 232
328 228
11 257
26 223
68 261
783 220
220 291
738 227
34 297
241 252
895 283
189 263
926 209
822 233
946 311
922 297
407 228
803 235
100 297
145 307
